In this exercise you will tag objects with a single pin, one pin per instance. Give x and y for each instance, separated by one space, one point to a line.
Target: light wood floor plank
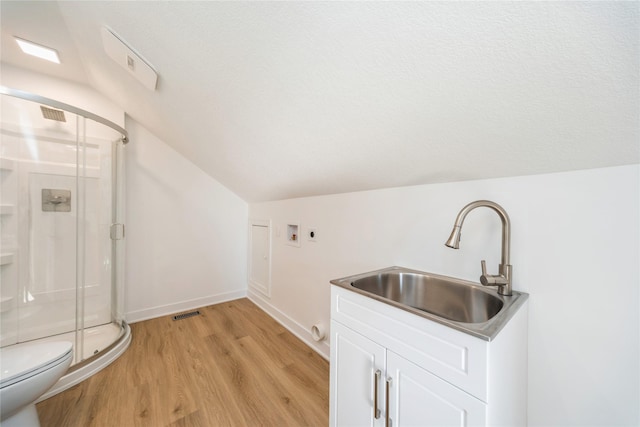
231 366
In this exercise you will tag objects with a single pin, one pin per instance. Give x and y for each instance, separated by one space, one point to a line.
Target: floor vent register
186 315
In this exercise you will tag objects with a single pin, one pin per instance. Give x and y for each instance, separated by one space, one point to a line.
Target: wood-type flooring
233 365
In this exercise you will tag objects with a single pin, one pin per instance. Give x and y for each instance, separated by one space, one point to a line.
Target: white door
259 267
419 398
355 360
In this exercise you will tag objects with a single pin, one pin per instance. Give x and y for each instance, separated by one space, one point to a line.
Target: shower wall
56 200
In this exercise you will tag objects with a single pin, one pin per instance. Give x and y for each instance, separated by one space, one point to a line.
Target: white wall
575 249
186 234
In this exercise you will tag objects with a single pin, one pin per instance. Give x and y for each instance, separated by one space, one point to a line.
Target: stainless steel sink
443 297
461 304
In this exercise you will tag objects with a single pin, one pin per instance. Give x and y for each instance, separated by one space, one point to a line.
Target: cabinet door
419 398
354 363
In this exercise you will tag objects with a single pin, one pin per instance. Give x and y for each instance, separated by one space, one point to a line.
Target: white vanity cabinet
416 397
421 373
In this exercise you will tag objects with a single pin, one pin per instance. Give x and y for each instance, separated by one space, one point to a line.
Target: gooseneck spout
503 279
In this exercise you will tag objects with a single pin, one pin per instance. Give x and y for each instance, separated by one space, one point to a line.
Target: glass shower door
58 202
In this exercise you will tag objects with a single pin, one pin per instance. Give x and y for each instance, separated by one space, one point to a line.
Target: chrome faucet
503 279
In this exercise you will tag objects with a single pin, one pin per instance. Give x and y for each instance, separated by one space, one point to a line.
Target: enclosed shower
61 219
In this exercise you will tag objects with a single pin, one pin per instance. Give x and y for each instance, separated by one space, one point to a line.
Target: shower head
53 114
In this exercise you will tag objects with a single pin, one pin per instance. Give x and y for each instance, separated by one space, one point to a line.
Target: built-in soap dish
6 304
6 259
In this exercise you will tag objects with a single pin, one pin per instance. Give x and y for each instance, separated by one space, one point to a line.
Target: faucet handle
498 280
486 279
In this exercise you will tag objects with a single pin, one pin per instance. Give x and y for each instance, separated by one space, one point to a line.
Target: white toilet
28 371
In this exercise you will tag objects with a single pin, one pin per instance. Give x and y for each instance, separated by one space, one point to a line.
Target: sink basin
460 304
446 298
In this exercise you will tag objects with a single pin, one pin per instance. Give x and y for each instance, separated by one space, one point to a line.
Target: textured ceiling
287 99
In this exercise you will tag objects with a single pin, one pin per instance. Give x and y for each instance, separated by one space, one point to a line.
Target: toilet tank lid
19 359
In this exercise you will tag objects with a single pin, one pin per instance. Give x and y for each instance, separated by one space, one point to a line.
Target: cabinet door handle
376 380
386 403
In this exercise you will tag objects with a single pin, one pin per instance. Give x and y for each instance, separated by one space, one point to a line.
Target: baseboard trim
165 310
322 347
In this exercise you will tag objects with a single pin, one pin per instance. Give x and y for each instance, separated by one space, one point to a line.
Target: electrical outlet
312 234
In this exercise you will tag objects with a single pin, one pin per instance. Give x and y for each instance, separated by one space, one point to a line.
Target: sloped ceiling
288 99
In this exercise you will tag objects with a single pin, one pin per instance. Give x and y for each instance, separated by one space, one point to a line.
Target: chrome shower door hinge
117 231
